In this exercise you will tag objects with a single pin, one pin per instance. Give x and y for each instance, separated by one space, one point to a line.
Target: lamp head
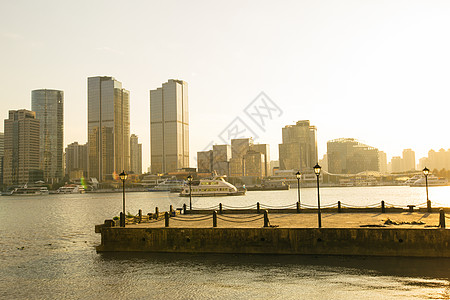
317 169
123 175
190 178
298 175
426 171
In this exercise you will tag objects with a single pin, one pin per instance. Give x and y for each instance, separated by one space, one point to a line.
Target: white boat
211 188
432 181
26 190
71 189
168 185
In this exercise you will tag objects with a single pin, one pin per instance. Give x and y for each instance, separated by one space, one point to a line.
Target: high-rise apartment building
348 156
2 151
169 127
135 155
409 160
21 154
382 162
76 160
49 108
298 150
108 127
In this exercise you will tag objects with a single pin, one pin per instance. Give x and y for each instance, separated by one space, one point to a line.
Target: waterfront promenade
300 220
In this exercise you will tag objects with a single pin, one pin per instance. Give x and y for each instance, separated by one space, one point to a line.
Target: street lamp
124 177
317 169
189 178
298 175
426 171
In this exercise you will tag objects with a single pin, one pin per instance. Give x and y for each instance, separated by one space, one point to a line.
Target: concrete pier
371 233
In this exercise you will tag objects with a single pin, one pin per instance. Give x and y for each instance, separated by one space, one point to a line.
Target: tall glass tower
49 108
169 127
108 128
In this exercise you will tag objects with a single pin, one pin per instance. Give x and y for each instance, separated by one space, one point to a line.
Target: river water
47 251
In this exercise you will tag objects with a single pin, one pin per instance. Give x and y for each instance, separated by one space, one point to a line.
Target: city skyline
354 69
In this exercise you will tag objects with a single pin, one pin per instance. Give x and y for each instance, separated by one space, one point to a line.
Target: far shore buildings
169 127
2 151
135 155
21 154
243 159
76 160
108 128
348 156
49 108
404 163
298 150
436 160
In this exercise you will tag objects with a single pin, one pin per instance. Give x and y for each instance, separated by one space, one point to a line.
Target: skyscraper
108 127
21 156
49 108
298 150
169 127
135 155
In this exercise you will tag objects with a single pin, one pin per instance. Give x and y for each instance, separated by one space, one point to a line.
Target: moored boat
214 187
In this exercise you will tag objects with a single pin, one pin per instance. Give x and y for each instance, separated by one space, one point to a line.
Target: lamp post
426 171
317 169
123 176
298 175
189 178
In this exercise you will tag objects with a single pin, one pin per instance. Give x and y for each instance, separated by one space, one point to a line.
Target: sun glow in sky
377 71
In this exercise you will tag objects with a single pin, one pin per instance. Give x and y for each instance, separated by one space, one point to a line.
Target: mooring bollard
122 219
215 218
441 218
298 207
166 216
429 206
266 218
156 213
257 207
220 208
184 209
383 209
171 208
339 207
140 215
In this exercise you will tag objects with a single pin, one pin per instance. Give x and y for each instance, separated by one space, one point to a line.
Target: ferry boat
168 185
216 186
432 181
26 190
71 189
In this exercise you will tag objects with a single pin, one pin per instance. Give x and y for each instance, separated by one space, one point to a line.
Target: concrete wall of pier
325 241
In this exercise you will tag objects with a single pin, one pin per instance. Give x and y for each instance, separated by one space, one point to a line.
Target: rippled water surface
47 251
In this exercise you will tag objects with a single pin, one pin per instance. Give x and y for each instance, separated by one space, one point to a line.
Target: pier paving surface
302 220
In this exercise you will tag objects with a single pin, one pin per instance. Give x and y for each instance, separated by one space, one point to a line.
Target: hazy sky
377 71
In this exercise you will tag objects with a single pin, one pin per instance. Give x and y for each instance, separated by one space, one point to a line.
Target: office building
169 127
254 164
298 150
348 156
21 148
409 160
265 150
382 162
135 155
205 161
49 108
76 160
108 128
221 158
